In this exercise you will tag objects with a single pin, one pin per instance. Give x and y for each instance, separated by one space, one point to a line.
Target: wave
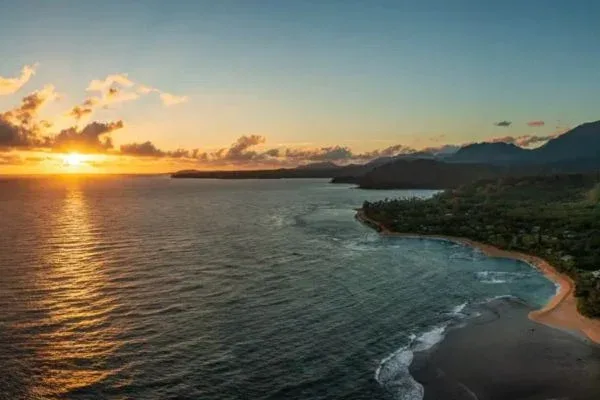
493 281
496 277
393 371
499 297
458 310
280 221
394 376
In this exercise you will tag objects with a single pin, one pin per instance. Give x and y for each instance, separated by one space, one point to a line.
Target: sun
73 159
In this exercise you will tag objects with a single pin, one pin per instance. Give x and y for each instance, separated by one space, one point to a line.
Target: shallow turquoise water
152 288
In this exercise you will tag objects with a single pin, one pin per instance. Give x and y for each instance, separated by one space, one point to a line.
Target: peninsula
550 222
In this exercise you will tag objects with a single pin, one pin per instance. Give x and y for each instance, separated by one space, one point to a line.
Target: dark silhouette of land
577 150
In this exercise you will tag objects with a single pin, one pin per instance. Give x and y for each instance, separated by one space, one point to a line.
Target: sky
260 84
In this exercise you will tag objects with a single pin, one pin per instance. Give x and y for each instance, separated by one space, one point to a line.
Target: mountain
489 153
427 174
577 150
582 142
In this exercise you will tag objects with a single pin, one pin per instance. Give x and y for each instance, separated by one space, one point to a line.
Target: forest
555 217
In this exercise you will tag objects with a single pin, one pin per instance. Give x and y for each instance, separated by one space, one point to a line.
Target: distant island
554 218
575 151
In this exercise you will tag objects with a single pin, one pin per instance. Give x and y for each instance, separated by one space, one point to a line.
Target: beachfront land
556 218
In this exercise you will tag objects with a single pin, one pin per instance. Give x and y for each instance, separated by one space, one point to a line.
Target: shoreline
560 311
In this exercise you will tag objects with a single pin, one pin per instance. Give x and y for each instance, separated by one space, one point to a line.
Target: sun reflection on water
76 337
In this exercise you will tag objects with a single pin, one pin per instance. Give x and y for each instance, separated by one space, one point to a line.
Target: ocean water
153 288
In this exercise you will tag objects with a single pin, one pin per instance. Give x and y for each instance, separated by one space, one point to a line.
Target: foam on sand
393 372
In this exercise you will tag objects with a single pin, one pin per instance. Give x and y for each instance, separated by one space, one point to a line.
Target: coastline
560 312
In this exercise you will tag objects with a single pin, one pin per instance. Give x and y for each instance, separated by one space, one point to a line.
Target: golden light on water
77 309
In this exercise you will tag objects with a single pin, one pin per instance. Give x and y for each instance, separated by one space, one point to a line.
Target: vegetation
554 217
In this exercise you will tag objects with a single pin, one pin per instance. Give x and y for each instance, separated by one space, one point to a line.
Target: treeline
554 217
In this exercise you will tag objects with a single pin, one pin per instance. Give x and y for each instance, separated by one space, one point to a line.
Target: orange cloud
89 139
11 85
536 123
171 99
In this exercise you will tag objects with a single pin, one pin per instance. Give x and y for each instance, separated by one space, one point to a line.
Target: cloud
108 87
331 153
239 151
19 127
536 123
115 95
11 85
148 149
145 149
528 140
87 140
503 124
390 151
167 99
143 89
31 105
443 149
14 136
171 99
103 85
523 141
504 139
118 88
78 112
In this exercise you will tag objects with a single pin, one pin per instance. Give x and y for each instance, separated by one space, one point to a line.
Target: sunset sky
117 86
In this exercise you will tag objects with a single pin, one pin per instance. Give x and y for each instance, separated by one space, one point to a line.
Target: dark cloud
146 149
239 151
243 152
504 139
30 106
180 153
332 153
79 112
89 139
15 136
536 123
273 152
503 124
19 127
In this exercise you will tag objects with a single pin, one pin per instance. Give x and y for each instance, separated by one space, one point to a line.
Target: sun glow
73 159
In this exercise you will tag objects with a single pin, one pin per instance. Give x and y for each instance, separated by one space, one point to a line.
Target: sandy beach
560 312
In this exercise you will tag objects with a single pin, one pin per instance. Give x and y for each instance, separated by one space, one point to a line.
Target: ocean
123 287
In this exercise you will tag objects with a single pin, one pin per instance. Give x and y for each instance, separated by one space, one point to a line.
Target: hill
580 143
493 153
426 174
